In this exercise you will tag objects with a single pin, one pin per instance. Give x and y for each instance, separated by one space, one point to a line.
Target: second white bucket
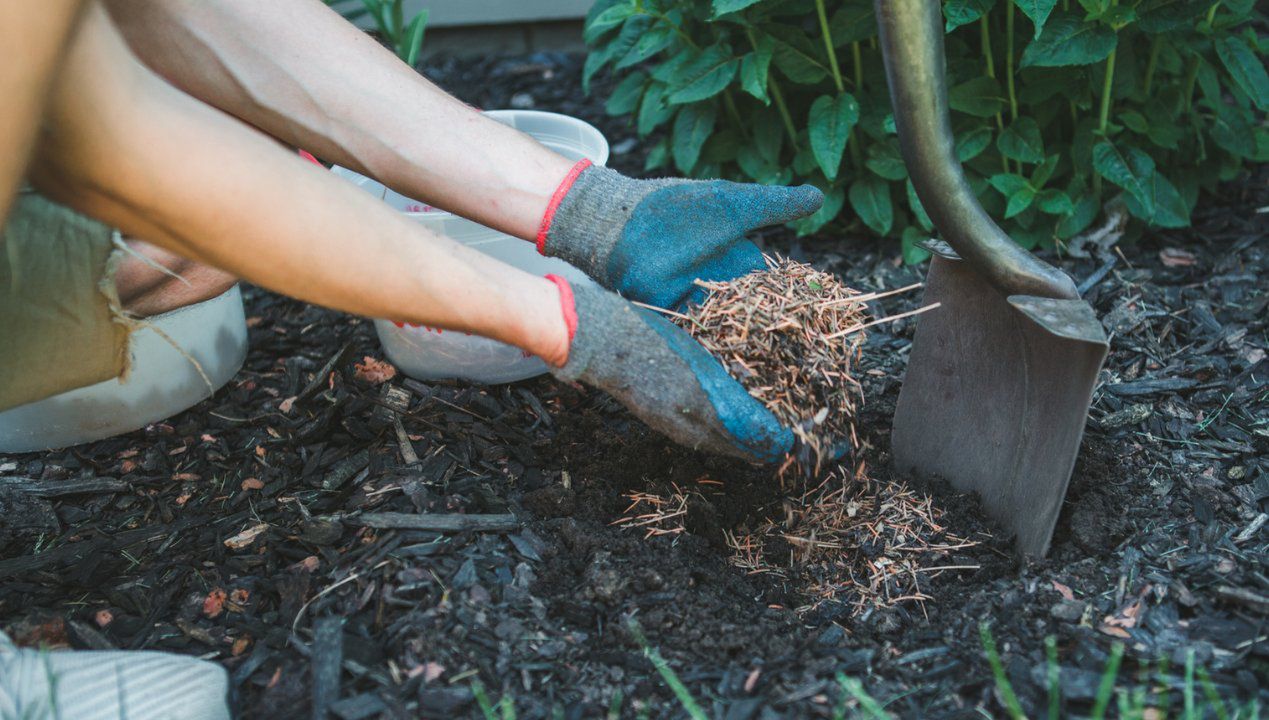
432 354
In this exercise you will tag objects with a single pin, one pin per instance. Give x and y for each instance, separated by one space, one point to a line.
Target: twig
437 522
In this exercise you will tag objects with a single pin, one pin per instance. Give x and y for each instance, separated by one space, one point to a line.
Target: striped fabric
108 685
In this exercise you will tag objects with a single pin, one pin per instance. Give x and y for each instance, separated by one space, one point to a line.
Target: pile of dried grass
850 539
790 334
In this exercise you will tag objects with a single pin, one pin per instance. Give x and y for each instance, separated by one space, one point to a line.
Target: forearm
125 147
33 36
297 70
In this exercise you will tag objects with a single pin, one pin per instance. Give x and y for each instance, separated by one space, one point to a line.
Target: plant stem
1155 46
858 58
730 103
985 38
778 97
784 112
828 46
1103 117
1187 96
1013 97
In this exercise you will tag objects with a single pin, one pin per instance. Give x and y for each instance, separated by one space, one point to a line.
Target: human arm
300 72
125 147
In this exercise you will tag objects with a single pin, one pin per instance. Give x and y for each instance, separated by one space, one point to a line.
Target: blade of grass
855 689
482 700
1053 673
667 674
1213 698
1107 686
998 671
614 707
1187 692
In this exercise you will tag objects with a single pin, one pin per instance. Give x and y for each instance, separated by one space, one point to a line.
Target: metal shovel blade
996 395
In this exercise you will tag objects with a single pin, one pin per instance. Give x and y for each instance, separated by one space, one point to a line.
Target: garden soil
300 526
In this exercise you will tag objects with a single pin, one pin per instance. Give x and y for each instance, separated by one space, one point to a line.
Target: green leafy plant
1059 107
405 37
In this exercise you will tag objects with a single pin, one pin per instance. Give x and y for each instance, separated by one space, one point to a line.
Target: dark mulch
335 604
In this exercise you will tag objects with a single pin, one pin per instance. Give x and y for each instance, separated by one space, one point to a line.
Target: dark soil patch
1159 532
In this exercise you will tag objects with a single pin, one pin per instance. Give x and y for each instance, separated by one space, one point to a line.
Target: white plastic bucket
162 381
433 354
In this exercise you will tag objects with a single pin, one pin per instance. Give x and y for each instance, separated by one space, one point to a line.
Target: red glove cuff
556 198
568 307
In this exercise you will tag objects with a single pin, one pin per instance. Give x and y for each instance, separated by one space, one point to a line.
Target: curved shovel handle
912 45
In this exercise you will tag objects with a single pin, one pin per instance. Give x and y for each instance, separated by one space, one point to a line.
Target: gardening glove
649 240
663 376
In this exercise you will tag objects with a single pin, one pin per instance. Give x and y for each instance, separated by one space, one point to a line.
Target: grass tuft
998 671
667 674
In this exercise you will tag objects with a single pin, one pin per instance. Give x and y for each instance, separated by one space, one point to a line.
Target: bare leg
146 290
33 35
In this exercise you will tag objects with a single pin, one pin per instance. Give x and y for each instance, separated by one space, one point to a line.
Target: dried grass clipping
790 334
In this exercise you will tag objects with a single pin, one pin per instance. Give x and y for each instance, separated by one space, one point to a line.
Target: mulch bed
376 549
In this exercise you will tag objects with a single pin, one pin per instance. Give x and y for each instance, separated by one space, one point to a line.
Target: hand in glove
664 376
650 239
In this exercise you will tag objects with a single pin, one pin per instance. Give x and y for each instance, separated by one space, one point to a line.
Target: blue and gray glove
664 377
649 240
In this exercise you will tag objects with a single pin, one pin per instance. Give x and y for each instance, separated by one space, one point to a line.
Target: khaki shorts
61 323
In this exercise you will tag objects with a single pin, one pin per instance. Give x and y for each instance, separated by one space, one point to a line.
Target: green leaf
704 76
768 135
1169 209
754 68
653 110
1021 141
964 12
971 144
595 62
1232 131
761 170
1135 122
796 57
1054 202
414 35
1247 70
722 7
692 127
979 97
1008 184
608 18
1070 41
918 210
1086 209
834 199
658 156
652 42
1126 167
885 160
913 253
1044 171
1019 201
831 121
856 21
1160 16
870 197
1037 10
626 96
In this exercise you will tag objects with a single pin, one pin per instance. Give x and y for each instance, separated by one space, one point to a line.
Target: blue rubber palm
666 378
650 240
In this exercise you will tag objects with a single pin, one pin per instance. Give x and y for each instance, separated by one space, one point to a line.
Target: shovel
1001 374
